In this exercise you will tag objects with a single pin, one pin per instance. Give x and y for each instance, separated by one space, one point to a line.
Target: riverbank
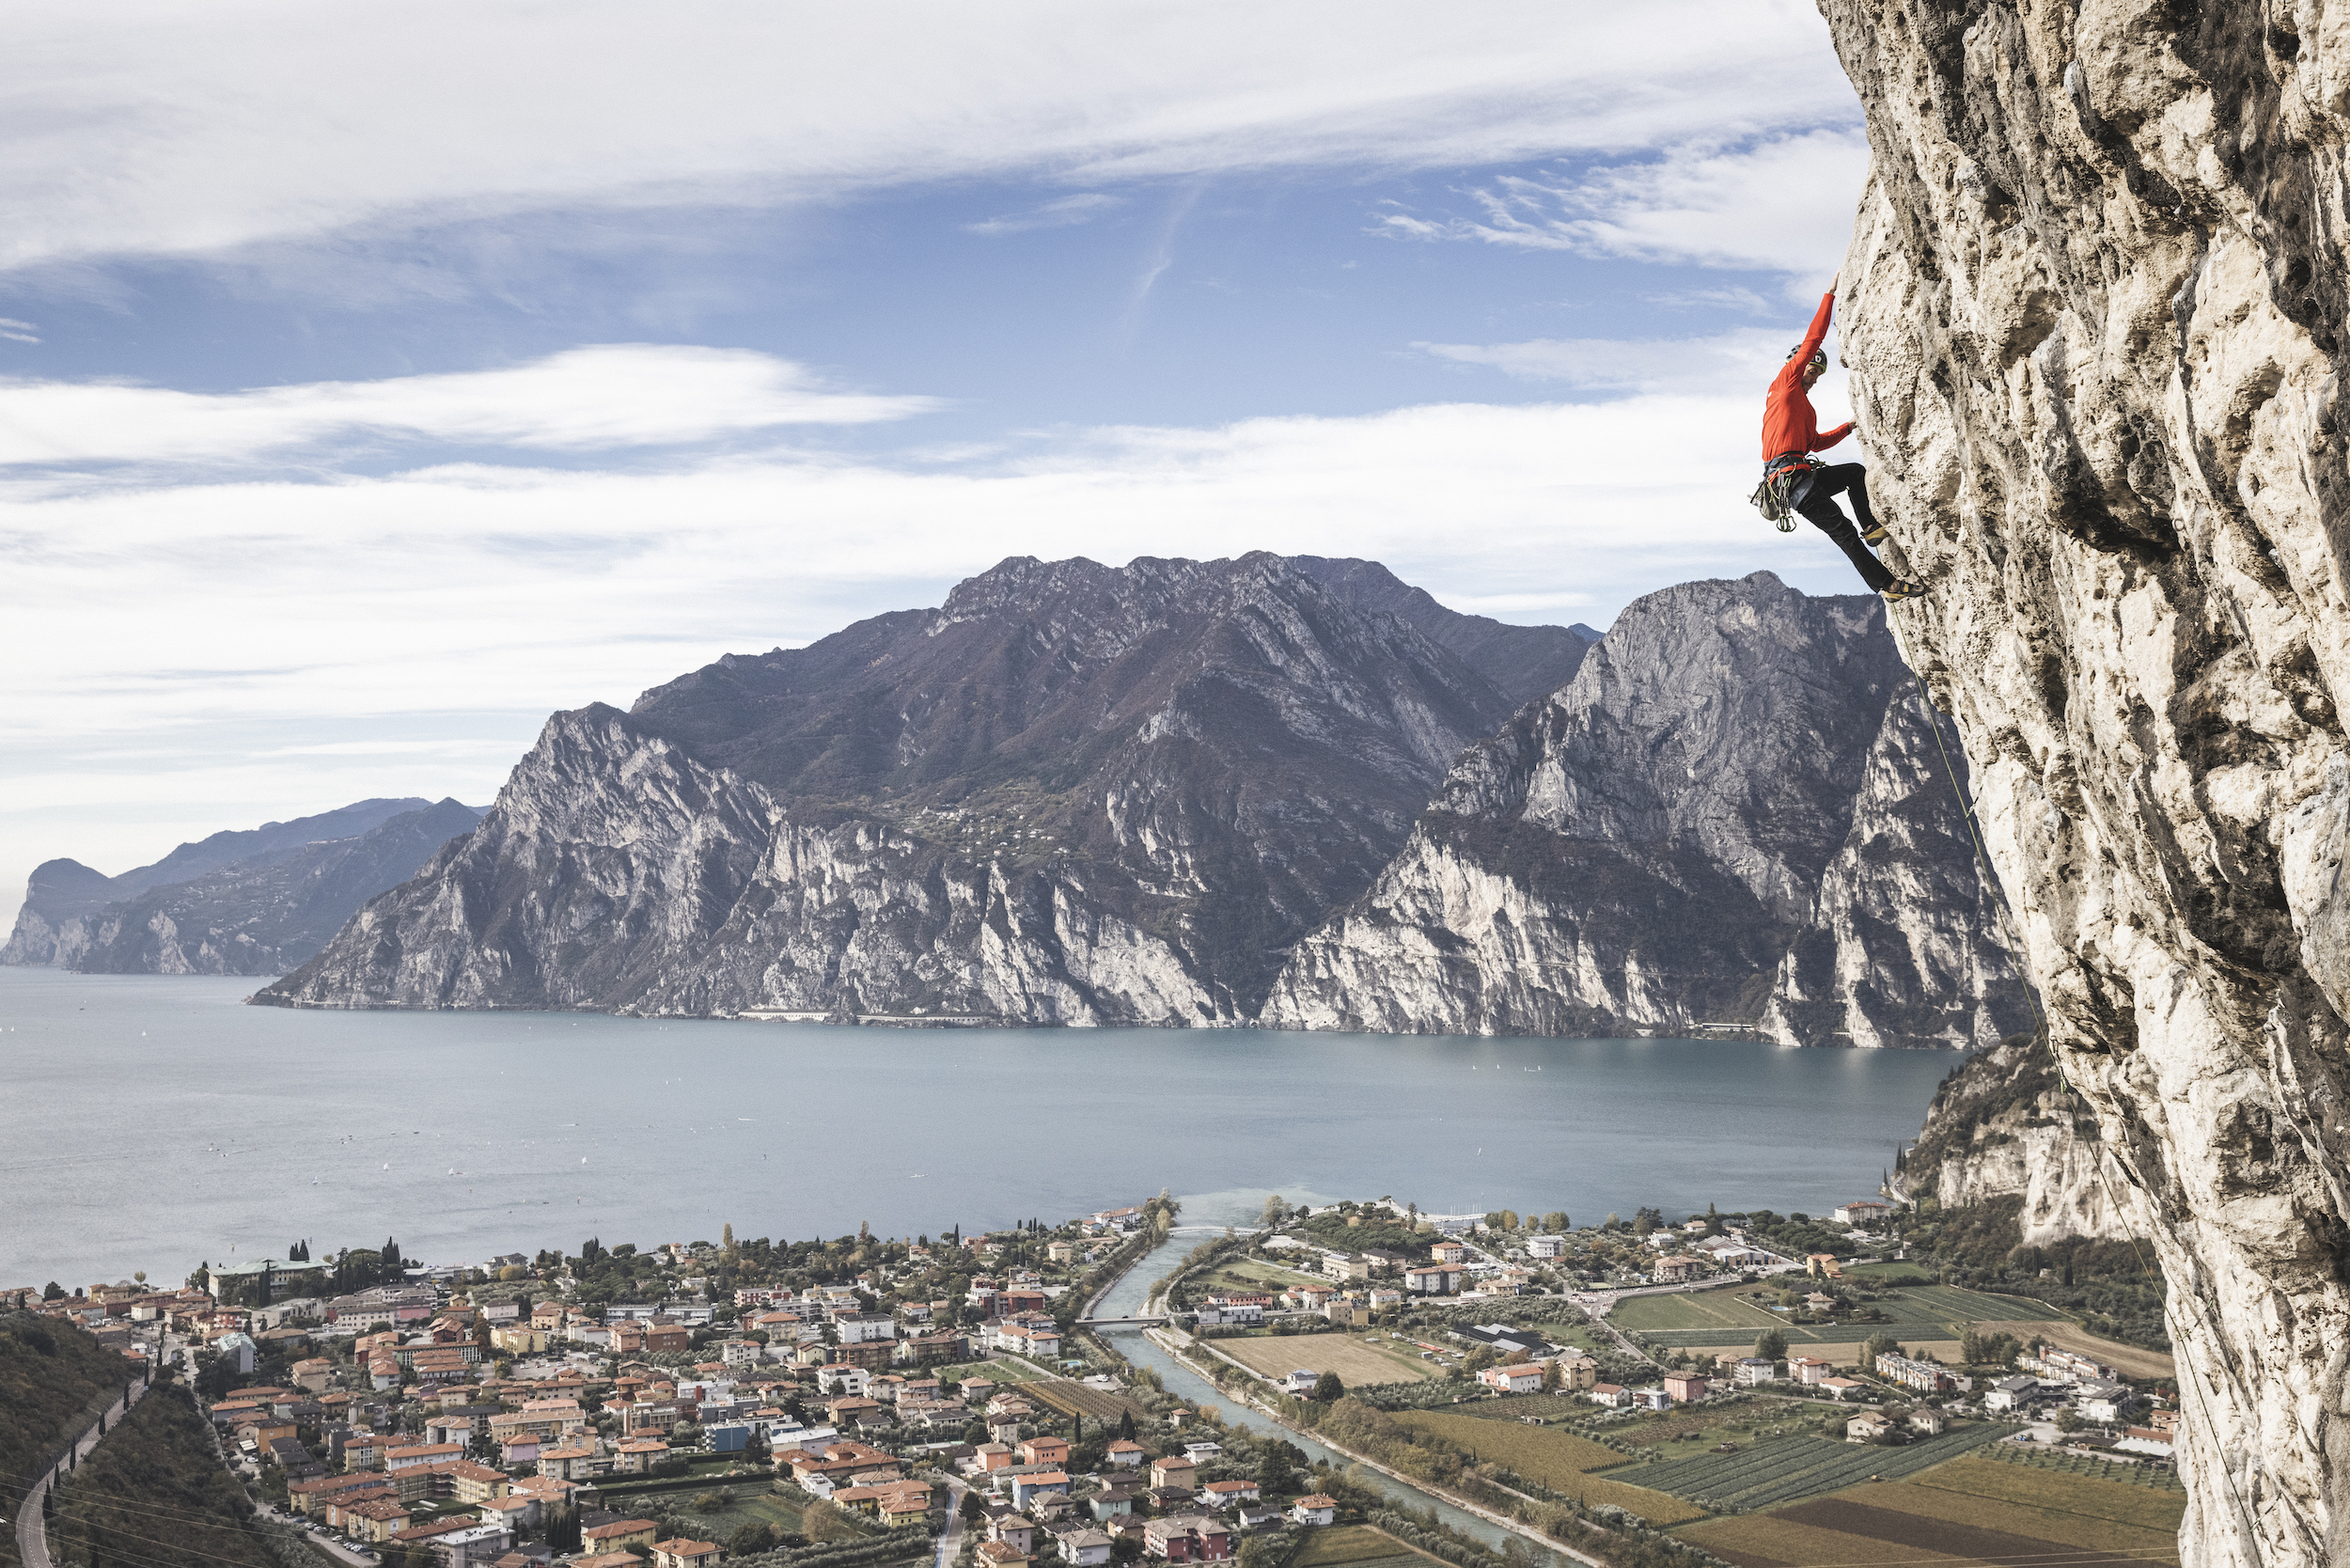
1168 1340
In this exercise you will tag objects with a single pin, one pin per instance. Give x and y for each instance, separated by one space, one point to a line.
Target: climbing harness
2032 1002
1783 485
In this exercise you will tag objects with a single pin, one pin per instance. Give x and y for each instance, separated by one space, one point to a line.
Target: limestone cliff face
2094 308
1072 794
2004 1125
1731 815
256 901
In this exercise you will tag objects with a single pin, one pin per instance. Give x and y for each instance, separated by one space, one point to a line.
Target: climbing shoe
1876 534
1904 587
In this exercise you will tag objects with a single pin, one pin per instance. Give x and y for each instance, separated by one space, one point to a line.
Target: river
1127 1297
150 1123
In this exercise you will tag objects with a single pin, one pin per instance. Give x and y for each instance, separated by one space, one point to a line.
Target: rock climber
1791 433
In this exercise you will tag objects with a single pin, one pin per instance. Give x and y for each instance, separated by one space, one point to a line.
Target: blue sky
379 379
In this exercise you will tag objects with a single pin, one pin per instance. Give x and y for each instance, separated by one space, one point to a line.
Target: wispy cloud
1733 361
272 120
1064 214
1783 202
591 399
18 332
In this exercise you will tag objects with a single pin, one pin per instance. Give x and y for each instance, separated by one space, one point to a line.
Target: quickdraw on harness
1783 484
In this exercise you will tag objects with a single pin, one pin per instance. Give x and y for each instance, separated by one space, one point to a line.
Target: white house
1314 1509
1546 1246
1525 1378
1751 1370
2102 1402
2011 1393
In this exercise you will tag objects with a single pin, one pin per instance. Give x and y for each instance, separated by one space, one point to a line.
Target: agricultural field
995 1371
1970 1510
1550 1407
1357 1545
1075 1399
1256 1274
1918 1315
1559 1460
2130 1360
1354 1360
1716 1311
752 1504
1782 1469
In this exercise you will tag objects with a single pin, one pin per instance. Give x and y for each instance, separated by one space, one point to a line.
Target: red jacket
1787 423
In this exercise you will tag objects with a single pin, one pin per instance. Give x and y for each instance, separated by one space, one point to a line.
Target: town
982 1401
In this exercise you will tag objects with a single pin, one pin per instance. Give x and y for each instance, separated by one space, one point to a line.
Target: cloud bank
140 128
602 398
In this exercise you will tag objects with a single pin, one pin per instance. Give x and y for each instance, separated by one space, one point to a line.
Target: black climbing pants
1818 506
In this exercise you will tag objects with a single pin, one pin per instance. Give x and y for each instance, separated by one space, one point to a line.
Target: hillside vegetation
53 1379
155 1491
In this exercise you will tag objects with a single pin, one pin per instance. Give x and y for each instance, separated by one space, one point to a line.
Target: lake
149 1122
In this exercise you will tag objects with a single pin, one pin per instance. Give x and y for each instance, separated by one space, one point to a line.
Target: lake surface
149 1122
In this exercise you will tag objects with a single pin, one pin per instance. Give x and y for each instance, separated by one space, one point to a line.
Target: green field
995 1371
1971 1509
1356 1544
1782 1469
752 1504
1711 1318
1559 1460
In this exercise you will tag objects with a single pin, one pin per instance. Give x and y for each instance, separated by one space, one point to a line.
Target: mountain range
1284 790
256 901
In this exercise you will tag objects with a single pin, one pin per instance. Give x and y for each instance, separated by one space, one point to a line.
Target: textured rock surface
254 902
2094 308
2004 1125
1728 816
1072 794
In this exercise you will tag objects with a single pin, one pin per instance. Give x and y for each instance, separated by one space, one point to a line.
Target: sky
375 380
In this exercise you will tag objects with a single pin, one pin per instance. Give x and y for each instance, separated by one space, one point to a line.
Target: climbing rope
2039 1018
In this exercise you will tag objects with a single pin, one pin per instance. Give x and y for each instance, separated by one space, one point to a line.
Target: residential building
1752 1370
1085 1549
1173 1471
1525 1378
2011 1393
682 1553
1866 1427
1863 1212
1546 1246
1926 1377
1448 1252
2102 1402
1844 1387
1810 1369
1614 1396
1679 1270
1684 1388
1187 1538
1314 1509
1125 1454
622 1535
1435 1278
1026 1488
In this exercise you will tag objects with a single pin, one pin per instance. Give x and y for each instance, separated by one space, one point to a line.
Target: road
950 1539
32 1541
